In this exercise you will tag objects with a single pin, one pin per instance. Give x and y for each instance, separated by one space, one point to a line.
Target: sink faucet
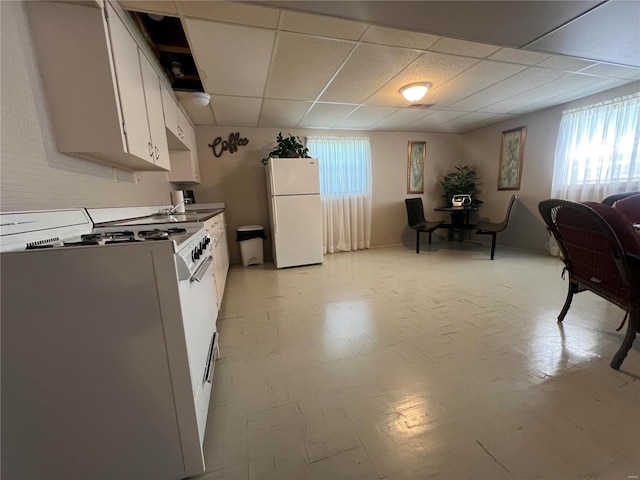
173 209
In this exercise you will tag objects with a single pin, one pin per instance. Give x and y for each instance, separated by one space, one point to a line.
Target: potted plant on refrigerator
287 147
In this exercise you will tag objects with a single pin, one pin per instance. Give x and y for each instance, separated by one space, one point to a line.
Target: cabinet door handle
157 153
150 150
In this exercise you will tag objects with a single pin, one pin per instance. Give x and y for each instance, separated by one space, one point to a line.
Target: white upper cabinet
131 90
104 102
181 138
184 163
153 100
170 113
175 121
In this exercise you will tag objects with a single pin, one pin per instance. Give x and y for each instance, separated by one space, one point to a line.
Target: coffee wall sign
219 146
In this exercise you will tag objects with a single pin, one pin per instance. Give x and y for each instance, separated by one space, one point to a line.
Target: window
345 190
345 166
597 153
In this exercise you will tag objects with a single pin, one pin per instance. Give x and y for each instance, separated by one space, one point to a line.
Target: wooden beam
173 49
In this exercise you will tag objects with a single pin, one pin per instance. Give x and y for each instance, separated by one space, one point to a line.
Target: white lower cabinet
216 227
104 100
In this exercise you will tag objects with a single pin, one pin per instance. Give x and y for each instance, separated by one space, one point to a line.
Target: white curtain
345 190
597 153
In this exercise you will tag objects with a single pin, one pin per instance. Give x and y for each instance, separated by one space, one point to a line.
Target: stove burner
157 234
111 237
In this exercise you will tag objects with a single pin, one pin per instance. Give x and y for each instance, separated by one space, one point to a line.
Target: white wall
482 148
33 174
238 179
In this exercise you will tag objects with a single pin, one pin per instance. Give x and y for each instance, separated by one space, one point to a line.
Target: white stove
123 320
74 228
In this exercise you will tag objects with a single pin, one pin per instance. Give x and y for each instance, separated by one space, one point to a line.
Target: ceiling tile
511 23
608 70
543 93
573 94
468 122
462 47
217 48
433 119
325 115
512 86
436 68
400 118
321 25
365 116
198 115
568 64
282 113
230 12
303 65
369 67
240 111
154 6
476 78
632 75
266 66
399 38
609 32
514 55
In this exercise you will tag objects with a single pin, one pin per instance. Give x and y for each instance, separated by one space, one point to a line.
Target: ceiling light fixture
200 99
415 91
176 69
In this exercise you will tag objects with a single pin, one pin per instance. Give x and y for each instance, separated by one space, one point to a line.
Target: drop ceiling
340 65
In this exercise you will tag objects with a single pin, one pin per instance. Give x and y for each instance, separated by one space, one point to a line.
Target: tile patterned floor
384 364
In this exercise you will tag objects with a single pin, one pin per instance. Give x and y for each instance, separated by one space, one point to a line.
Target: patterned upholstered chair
612 199
601 253
629 207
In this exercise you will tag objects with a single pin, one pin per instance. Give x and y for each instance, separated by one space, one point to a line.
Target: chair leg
630 336
567 302
417 241
430 237
493 244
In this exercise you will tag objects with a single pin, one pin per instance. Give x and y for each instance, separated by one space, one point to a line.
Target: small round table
459 218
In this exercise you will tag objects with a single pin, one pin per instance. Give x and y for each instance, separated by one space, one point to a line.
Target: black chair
415 215
489 228
610 200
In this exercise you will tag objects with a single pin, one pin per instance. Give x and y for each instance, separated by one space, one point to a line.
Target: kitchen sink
189 215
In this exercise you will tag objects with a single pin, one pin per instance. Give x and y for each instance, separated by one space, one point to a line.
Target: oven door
199 313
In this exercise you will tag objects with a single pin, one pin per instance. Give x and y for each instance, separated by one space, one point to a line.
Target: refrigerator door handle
271 175
275 214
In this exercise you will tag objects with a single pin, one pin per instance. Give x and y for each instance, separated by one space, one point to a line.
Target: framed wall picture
511 156
415 167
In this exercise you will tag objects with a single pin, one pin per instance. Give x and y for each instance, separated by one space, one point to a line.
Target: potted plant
288 147
463 180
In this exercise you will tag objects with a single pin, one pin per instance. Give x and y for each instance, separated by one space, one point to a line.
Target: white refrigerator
295 211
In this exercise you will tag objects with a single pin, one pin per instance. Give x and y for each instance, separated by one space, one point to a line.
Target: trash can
250 238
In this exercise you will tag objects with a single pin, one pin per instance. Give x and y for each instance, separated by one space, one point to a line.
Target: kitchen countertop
148 215
190 216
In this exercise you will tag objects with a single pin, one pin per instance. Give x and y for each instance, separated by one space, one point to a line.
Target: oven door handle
202 269
211 358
